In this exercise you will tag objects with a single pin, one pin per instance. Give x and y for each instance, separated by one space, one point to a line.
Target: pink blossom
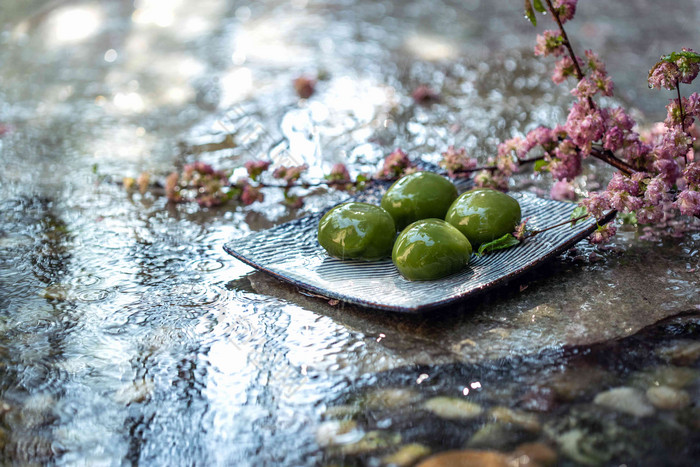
664 74
424 94
614 138
549 43
674 144
304 86
562 190
688 69
668 169
249 193
567 161
255 168
673 114
637 153
688 202
521 231
339 172
196 168
395 165
656 191
618 117
603 234
563 69
585 88
489 179
596 204
692 104
603 82
457 162
565 9
540 136
172 190
289 174
625 202
620 182
584 125
692 175
505 160
594 62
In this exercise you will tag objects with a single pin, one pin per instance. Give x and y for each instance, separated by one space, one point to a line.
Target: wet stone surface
128 336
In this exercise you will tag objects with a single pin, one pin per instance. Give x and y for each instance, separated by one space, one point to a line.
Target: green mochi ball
484 215
420 195
430 249
357 231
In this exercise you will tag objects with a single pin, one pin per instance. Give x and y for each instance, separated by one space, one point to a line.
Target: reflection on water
128 336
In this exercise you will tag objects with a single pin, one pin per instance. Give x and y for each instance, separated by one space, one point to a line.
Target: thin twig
577 68
609 157
680 106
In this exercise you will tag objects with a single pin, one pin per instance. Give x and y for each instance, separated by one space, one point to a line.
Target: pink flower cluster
565 9
339 173
396 165
289 174
256 168
457 162
200 182
550 43
669 74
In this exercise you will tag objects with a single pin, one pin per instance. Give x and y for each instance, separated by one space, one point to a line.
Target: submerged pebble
522 419
499 436
406 455
668 398
467 458
681 352
625 399
534 454
453 408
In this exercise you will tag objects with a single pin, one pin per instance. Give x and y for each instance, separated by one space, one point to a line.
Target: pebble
525 420
390 398
534 454
453 408
467 458
668 398
625 399
496 435
406 455
135 391
370 442
682 352
673 376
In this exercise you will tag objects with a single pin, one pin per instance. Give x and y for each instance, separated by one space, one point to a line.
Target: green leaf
629 218
673 56
506 241
541 165
539 6
95 168
578 212
530 12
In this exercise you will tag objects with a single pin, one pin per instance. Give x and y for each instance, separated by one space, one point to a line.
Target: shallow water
128 336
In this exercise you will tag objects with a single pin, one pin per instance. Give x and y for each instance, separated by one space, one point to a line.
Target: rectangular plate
291 253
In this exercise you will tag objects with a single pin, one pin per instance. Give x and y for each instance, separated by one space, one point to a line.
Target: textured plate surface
291 252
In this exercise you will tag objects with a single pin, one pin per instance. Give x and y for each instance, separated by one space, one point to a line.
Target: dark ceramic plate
291 253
